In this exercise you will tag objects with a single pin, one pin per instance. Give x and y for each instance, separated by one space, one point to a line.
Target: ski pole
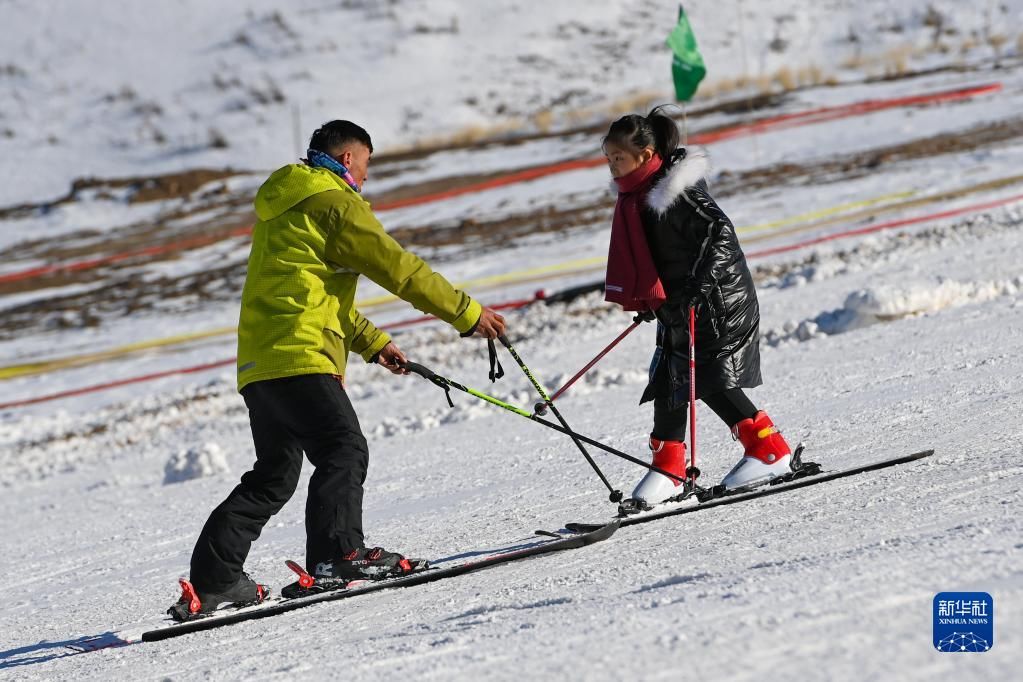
541 407
447 384
692 472
616 495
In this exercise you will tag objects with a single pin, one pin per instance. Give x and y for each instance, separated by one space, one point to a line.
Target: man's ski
682 508
273 608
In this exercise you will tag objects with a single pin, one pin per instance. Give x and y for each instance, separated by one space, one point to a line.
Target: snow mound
886 303
206 460
41 446
879 250
890 303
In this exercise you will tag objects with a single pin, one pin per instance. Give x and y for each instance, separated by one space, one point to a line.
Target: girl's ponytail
665 132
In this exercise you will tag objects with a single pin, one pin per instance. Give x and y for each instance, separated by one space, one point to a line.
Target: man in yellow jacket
315 236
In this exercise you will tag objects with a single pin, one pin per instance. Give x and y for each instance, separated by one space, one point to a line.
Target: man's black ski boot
365 564
195 604
361 564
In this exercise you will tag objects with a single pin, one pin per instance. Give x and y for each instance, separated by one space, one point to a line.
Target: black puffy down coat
698 258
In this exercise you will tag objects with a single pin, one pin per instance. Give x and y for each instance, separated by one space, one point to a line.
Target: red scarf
632 280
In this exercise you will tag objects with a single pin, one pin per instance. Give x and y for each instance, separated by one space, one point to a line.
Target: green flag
687 64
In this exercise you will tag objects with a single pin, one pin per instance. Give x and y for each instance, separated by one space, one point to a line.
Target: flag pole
296 130
745 72
685 126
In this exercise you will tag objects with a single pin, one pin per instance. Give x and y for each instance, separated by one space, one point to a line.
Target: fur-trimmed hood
684 174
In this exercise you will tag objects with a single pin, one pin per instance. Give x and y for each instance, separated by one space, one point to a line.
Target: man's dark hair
332 136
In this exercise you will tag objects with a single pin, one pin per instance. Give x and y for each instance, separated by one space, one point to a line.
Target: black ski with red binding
222 618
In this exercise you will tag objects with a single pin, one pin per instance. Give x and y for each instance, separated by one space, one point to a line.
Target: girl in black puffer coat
693 247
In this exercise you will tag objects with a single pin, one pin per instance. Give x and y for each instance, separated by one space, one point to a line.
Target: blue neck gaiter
319 159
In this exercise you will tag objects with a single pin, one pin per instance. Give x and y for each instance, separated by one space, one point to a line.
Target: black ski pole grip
432 377
416 368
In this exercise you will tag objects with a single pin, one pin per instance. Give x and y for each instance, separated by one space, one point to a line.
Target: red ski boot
767 454
669 455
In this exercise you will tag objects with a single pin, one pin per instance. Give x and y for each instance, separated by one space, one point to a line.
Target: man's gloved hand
644 316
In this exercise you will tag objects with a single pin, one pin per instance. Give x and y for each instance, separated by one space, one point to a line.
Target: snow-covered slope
135 88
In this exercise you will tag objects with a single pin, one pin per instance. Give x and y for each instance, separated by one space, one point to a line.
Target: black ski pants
731 406
310 413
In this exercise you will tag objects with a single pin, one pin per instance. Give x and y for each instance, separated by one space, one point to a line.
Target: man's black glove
644 316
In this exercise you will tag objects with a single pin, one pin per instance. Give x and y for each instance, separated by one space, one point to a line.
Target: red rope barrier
902 222
510 305
780 122
116 384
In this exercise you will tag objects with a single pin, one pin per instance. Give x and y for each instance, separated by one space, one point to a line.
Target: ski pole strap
496 371
432 377
447 394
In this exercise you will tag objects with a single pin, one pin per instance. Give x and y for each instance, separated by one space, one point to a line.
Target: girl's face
623 160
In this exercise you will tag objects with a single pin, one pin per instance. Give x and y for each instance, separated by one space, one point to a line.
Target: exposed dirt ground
121 288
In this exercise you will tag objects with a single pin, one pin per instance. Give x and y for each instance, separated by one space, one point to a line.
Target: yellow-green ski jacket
315 236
